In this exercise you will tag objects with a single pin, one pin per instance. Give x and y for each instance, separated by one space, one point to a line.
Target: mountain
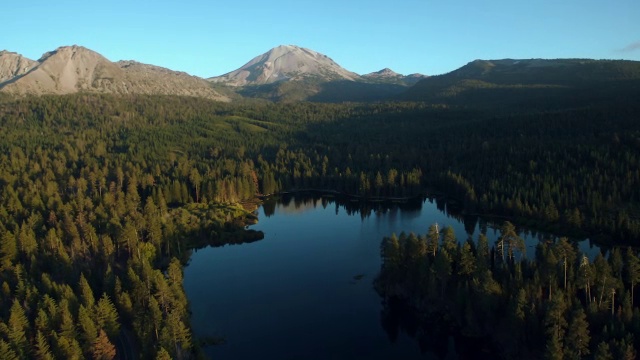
71 69
530 81
289 73
286 63
387 75
151 79
12 65
285 73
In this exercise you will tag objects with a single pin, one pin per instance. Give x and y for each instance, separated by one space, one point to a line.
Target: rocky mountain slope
71 69
290 73
286 63
13 64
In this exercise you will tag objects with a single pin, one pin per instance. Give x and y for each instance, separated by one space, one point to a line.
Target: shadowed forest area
503 303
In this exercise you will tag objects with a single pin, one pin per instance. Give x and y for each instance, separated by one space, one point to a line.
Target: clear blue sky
209 38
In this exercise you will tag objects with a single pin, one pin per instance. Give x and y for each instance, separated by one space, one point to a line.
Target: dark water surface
305 291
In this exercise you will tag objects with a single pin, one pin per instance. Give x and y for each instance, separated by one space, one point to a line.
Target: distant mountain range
71 69
292 73
294 63
530 81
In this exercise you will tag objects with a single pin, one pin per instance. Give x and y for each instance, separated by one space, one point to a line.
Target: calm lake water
305 291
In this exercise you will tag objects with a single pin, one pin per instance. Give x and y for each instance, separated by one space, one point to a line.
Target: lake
305 291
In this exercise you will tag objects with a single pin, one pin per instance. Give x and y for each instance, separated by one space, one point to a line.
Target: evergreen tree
566 254
433 239
6 352
107 316
18 326
88 330
42 350
8 251
442 268
103 349
482 254
555 321
509 238
163 354
467 261
632 270
553 349
577 338
603 352
449 241
86 294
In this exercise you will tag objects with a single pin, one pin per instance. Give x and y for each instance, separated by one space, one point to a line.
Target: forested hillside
102 196
531 83
504 303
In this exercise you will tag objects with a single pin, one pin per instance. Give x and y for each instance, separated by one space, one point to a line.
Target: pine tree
442 269
67 324
18 326
107 316
8 251
577 338
566 255
175 335
604 281
632 270
67 348
86 294
163 354
449 241
433 239
585 277
6 352
88 330
509 238
554 320
42 349
103 349
553 350
603 352
467 261
617 264
482 254
414 249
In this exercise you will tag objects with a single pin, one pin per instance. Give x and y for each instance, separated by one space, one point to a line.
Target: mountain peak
68 51
387 75
71 69
13 65
286 63
286 47
386 72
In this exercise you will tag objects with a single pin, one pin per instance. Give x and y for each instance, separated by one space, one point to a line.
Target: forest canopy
102 196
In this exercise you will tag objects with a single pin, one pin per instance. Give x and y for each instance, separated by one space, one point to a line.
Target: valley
113 175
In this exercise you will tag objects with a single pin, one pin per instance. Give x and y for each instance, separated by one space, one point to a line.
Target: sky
212 37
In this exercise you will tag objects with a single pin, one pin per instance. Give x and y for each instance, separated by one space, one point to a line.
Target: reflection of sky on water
298 292
419 219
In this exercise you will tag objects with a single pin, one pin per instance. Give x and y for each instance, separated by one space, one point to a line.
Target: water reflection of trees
435 334
304 201
299 202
